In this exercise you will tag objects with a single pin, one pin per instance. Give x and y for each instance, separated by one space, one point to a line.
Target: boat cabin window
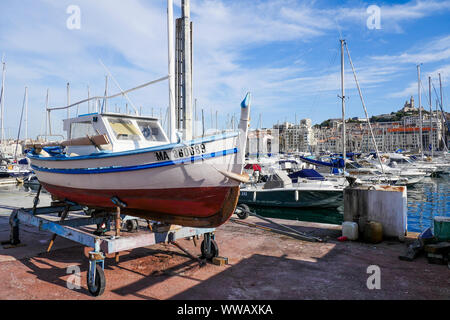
150 131
401 161
352 165
81 130
124 129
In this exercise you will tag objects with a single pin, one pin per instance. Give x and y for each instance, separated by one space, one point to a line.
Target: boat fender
244 178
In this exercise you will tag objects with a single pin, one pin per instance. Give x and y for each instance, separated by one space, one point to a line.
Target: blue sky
286 52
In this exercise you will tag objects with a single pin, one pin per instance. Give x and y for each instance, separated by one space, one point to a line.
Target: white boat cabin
125 132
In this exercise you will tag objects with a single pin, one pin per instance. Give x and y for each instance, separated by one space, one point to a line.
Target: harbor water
425 200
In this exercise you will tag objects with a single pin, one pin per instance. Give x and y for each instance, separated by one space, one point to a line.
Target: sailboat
115 160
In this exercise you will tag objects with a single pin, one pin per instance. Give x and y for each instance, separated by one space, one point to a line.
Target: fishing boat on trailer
190 183
112 161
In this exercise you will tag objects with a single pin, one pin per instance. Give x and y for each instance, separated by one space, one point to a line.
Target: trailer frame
73 222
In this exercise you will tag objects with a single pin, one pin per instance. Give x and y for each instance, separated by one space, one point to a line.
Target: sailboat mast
106 94
187 68
171 57
89 97
26 113
3 99
442 113
344 153
431 117
68 100
420 111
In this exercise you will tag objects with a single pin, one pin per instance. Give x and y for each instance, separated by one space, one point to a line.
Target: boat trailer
93 229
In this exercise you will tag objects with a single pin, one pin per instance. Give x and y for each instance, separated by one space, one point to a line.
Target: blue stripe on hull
137 167
136 151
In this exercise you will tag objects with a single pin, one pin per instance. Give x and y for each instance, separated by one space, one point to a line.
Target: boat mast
365 111
26 114
431 117
344 154
2 96
89 99
420 111
25 97
444 122
68 99
187 74
105 102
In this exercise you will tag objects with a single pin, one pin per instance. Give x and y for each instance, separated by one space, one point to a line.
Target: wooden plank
98 140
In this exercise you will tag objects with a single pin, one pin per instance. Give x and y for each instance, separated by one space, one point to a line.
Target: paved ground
262 265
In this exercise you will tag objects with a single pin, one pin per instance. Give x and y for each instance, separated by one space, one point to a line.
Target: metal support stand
120 204
117 219
36 199
73 217
200 261
14 229
63 217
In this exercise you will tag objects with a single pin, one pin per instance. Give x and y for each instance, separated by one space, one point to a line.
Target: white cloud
130 37
433 51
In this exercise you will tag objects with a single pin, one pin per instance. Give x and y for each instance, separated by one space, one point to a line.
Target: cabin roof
118 115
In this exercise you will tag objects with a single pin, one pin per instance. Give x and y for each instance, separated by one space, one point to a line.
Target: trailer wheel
100 282
242 211
214 250
131 225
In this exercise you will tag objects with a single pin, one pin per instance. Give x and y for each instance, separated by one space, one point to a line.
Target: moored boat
279 191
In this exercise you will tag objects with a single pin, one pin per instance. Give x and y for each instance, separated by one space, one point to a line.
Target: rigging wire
365 109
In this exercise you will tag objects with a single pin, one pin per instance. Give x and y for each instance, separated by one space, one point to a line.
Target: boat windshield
81 130
402 161
150 131
352 165
124 129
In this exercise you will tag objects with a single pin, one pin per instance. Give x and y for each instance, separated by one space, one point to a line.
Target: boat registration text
178 153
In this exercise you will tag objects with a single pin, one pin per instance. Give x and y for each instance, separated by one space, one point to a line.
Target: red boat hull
206 207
